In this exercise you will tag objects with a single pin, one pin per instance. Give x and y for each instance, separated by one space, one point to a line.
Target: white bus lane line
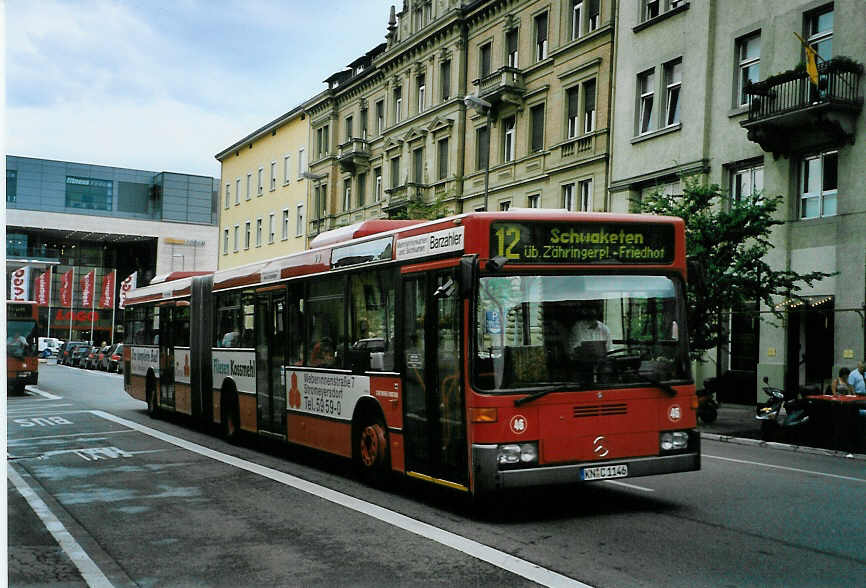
89 570
96 433
500 559
786 468
43 393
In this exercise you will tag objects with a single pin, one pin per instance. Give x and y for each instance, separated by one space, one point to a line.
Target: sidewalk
736 423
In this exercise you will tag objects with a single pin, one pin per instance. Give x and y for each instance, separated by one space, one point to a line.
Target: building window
362 189
418 165
286 168
237 237
533 200
225 241
589 106
285 234
508 125
572 103
416 18
484 60
747 183
228 198
237 191
259 185
445 79
322 140
364 116
321 200
377 194
380 117
249 186
443 158
576 22
568 197
748 65
247 234
299 220
673 83
819 31
536 121
347 194
651 9
819 185
645 83
585 188
272 229
541 36
273 176
348 128
395 171
398 104
421 85
258 232
504 205
11 185
302 163
482 147
511 48
593 16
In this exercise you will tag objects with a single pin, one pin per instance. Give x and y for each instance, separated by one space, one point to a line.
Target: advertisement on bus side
329 395
240 366
144 358
181 365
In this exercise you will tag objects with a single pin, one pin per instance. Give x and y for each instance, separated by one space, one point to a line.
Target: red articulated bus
481 352
22 361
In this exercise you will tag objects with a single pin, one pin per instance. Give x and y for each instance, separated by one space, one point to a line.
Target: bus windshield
19 338
578 332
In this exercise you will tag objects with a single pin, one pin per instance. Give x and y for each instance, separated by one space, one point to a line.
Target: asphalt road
126 500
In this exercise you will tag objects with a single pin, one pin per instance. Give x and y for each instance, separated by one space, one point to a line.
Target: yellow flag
811 63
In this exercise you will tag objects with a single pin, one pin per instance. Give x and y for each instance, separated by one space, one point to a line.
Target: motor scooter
783 412
708 405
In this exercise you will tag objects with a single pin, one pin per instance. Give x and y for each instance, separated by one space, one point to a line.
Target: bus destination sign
600 243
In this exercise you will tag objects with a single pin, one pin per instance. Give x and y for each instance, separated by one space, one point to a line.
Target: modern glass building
90 218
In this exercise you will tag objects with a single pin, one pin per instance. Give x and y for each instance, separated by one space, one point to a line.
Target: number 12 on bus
481 352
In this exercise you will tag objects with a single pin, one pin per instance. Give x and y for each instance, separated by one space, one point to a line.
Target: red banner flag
87 284
129 283
66 289
19 284
42 285
106 300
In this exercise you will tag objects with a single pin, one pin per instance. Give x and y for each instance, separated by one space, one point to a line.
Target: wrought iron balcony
504 85
400 197
354 155
788 113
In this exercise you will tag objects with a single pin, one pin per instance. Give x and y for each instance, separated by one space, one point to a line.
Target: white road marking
632 486
34 390
500 559
36 408
19 439
89 570
778 467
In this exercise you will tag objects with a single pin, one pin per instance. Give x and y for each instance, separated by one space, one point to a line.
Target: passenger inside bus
322 354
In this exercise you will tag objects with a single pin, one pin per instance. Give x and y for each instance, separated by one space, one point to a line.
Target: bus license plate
604 472
23 375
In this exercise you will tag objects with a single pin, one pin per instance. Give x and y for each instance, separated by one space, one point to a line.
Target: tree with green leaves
418 209
727 242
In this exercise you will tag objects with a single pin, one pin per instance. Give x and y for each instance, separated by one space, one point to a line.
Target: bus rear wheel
152 406
230 417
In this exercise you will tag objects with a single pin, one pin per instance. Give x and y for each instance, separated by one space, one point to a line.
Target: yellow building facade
263 192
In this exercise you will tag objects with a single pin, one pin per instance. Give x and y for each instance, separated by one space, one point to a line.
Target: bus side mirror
468 274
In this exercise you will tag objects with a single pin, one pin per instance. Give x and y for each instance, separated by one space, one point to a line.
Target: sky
164 85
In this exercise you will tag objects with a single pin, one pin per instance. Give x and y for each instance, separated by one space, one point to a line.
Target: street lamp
482 106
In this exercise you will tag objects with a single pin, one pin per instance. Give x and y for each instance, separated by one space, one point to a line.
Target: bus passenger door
166 355
434 421
270 361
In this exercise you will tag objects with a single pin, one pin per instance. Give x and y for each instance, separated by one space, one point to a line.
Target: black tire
708 414
152 400
768 430
231 428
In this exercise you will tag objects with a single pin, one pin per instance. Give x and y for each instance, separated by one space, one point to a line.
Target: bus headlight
674 440
517 454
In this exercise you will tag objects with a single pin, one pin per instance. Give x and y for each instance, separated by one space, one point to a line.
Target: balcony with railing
789 113
504 85
354 155
400 197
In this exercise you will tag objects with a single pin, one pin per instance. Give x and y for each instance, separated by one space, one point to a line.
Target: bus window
295 331
181 326
248 332
151 326
325 327
228 320
371 321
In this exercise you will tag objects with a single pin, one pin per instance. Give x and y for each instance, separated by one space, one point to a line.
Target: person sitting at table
856 382
839 385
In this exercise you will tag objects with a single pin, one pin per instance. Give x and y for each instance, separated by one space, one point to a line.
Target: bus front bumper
489 478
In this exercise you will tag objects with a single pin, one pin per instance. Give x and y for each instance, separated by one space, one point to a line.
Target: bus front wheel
152 406
371 451
230 418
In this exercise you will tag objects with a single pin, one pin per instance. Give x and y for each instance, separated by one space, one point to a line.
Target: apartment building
394 128
263 197
713 89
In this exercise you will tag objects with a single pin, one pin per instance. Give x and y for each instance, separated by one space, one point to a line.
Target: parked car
64 356
79 355
89 360
114 359
49 346
100 363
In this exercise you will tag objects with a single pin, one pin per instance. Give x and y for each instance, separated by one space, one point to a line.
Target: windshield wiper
666 388
536 395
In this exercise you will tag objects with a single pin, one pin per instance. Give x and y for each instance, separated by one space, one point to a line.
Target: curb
782 446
